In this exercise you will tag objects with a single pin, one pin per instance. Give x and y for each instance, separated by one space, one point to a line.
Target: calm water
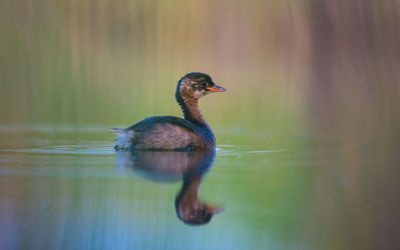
65 188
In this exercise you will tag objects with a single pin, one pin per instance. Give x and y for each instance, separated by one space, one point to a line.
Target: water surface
65 188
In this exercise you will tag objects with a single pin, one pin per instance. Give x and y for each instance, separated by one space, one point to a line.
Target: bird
170 132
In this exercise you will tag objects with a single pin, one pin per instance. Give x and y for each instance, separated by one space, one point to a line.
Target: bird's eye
204 84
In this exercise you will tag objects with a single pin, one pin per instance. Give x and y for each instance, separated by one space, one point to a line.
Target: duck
189 133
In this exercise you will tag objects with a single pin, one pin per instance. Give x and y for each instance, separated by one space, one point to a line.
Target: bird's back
165 133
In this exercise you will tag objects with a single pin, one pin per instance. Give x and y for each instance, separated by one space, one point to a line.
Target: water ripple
98 149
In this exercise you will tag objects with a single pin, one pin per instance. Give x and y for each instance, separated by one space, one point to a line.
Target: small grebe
170 132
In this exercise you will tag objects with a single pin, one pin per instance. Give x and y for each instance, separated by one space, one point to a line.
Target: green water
63 188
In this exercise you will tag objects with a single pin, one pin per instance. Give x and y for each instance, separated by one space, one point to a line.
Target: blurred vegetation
116 62
287 65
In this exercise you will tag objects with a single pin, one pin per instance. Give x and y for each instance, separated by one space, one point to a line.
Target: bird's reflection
186 166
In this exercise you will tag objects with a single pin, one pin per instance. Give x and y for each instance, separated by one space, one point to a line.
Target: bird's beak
216 88
214 210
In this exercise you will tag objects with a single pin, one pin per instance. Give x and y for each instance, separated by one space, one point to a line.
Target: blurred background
287 65
306 75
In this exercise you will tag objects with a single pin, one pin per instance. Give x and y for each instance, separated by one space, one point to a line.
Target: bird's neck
191 111
189 191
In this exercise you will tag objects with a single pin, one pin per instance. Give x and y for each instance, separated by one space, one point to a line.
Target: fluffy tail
124 139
